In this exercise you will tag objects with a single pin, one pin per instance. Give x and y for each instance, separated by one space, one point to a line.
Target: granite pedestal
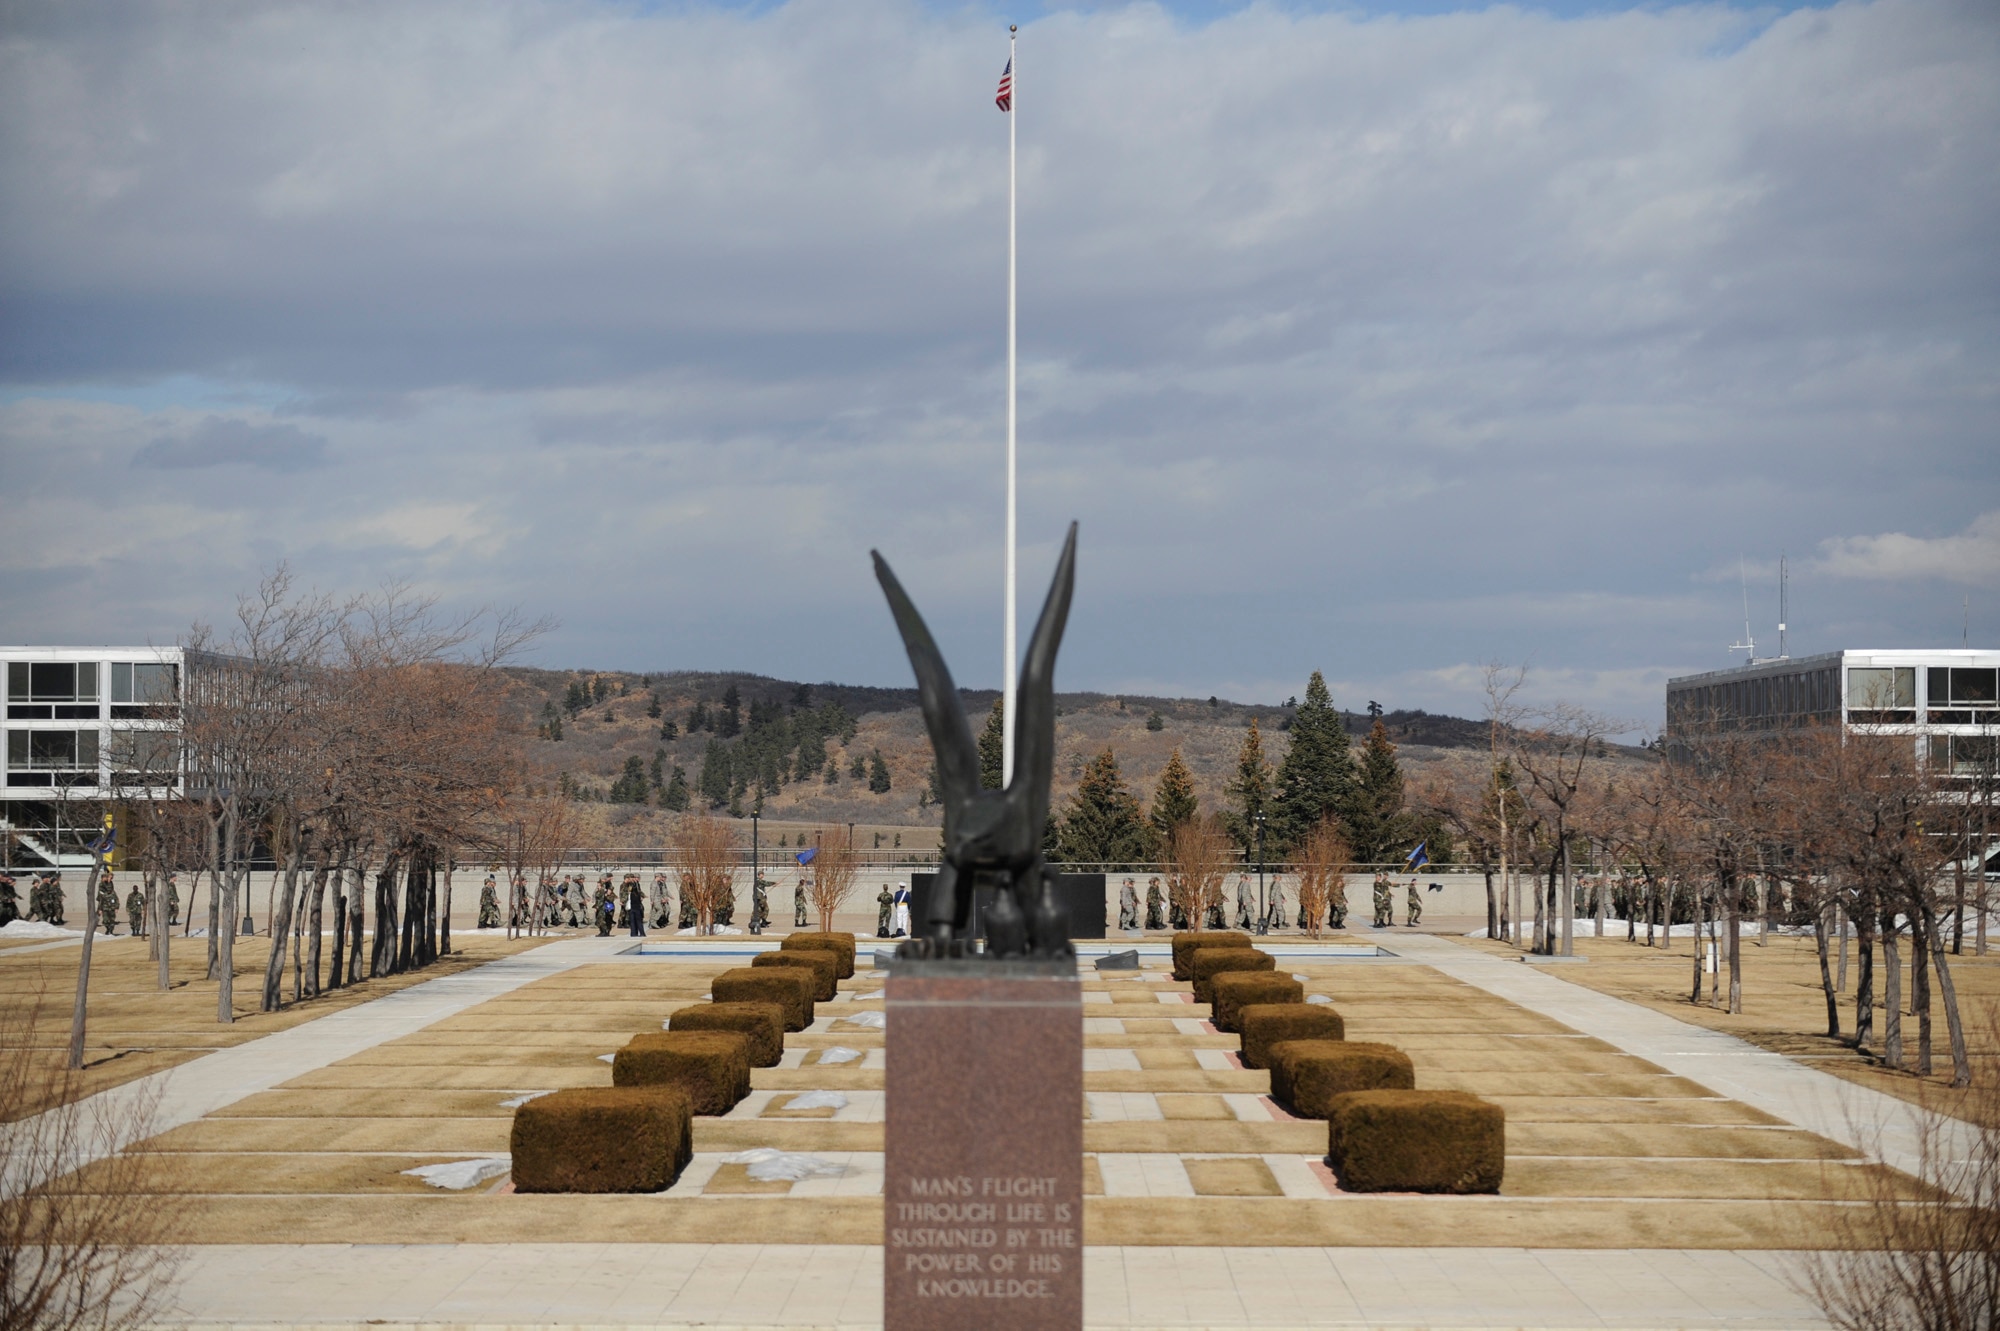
983 1214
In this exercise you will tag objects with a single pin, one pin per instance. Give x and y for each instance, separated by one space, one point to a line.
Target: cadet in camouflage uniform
1413 904
1336 904
687 903
10 899
760 904
884 902
799 904
107 904
1128 906
663 903
603 909
489 904
1245 907
1385 916
1156 904
135 911
173 900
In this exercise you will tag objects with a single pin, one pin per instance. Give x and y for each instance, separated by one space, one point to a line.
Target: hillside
856 723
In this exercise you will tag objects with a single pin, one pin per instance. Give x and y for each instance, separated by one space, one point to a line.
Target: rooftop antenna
1783 581
1749 644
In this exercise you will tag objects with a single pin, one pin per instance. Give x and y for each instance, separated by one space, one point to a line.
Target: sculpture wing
1035 730
944 715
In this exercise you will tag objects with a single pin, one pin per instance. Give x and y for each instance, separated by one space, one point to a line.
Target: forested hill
686 687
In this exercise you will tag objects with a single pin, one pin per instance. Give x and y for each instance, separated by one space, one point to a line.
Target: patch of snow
767 1165
1318 998
839 1054
522 1098
606 1058
718 931
817 1100
458 1175
37 929
874 1021
1300 978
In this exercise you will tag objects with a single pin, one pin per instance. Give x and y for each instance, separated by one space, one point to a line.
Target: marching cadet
603 908
760 904
884 903
173 900
1385 916
687 901
135 911
107 904
1336 904
799 904
1277 906
663 903
1216 918
1128 906
1245 906
1413 904
10 899
1156 903
489 904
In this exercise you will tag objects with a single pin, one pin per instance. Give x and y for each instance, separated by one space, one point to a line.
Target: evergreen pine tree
1317 777
668 730
1251 789
575 700
731 719
858 768
676 796
1103 822
698 718
878 773
656 773
653 707
1174 799
992 741
714 781
1154 721
1375 829
630 787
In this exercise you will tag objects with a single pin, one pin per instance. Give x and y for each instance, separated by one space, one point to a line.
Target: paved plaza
1658 1174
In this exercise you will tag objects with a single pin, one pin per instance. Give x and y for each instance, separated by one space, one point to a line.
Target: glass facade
59 702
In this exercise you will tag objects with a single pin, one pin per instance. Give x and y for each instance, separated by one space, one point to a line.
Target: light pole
756 879
1263 911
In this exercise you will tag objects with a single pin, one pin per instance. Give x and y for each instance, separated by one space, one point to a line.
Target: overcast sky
1382 341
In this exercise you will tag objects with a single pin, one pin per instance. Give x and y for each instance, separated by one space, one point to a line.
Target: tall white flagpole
1008 682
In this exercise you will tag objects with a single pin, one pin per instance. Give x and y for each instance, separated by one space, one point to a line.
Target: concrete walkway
744 1286
166 1100
1879 1126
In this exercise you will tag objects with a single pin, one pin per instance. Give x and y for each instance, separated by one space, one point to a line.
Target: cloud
220 441
1971 557
1359 344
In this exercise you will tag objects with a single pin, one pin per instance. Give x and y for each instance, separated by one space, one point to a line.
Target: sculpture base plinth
983 1194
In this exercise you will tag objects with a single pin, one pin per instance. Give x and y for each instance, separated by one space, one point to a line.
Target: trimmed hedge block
1416 1141
711 1068
602 1139
840 943
761 1024
1209 962
1264 1024
790 987
1307 1074
1232 991
1187 941
824 966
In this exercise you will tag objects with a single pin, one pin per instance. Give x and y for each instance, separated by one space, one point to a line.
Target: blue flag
806 856
1417 858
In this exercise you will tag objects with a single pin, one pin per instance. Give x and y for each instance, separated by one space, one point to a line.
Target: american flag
1004 99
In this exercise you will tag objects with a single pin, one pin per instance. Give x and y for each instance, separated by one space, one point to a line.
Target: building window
141 688
1881 695
1965 755
39 757
51 690
145 757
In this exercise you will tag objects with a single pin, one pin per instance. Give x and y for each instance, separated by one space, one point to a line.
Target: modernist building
1948 702
85 723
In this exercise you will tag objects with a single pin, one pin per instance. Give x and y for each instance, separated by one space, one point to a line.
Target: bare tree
834 868
1557 754
704 850
1322 864
76 1252
1198 858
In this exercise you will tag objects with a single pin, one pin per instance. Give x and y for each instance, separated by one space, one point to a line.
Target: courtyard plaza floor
1639 1191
